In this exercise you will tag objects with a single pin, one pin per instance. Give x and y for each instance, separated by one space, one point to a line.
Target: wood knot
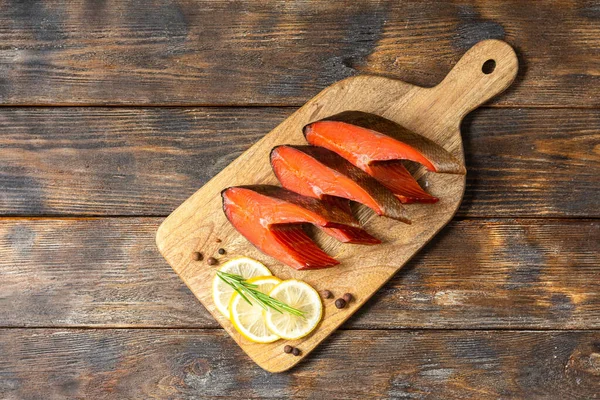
584 362
198 367
594 361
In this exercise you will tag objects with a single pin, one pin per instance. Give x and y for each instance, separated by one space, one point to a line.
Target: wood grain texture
434 113
109 161
282 53
185 364
498 274
519 274
126 161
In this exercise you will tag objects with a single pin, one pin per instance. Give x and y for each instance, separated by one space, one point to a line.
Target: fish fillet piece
271 218
371 142
365 138
318 172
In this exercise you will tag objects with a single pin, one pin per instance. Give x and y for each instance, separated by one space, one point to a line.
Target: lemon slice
248 319
299 295
244 266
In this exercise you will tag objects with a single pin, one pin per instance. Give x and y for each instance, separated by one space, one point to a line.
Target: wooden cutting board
435 113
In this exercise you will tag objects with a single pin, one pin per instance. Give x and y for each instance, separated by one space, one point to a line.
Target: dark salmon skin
347 234
317 172
271 218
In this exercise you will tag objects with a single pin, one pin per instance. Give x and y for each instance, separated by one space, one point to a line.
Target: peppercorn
327 294
221 251
212 261
296 351
347 297
288 349
340 303
197 256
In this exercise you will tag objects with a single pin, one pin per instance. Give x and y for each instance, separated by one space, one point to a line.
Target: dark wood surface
355 364
526 274
504 303
127 161
282 53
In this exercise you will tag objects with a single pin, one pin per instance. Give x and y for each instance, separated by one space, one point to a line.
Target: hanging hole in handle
488 67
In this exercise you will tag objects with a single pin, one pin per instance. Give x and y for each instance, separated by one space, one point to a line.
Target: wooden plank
475 274
99 161
204 364
282 53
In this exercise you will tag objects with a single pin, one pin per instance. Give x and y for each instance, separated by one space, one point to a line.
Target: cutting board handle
485 70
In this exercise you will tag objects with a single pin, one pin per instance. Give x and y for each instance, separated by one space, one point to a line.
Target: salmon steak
271 218
376 145
317 172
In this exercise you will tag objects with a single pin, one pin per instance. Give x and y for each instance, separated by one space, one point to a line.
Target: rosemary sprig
248 290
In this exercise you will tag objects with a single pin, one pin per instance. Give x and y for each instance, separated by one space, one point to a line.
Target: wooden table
115 112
